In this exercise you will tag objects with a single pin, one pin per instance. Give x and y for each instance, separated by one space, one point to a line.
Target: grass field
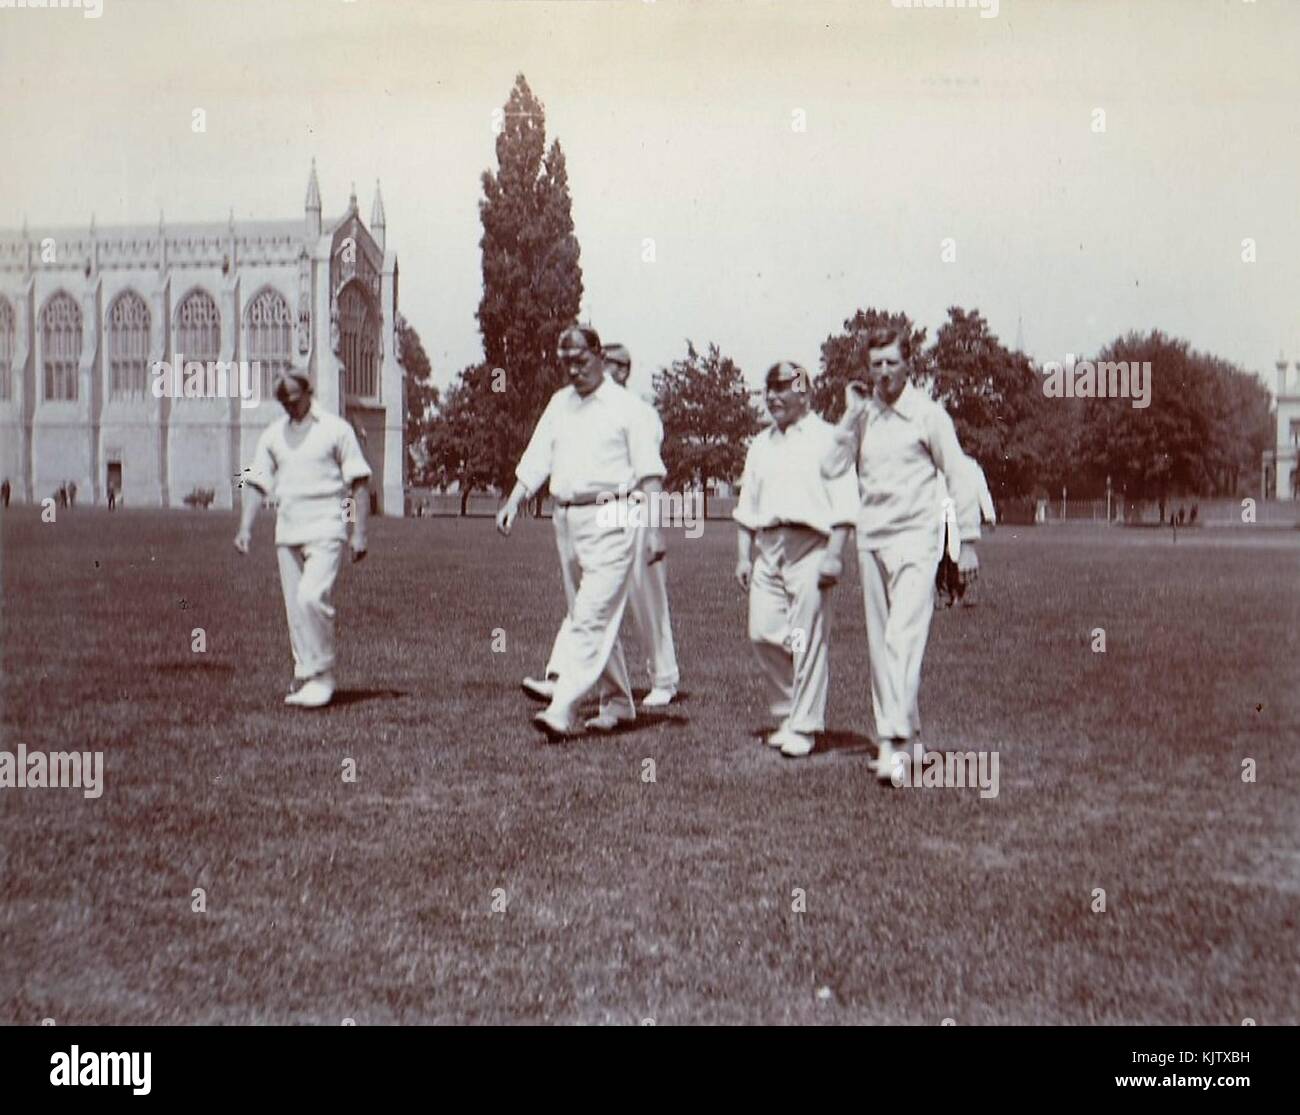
628 900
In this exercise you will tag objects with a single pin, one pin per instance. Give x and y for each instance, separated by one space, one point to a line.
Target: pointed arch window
61 347
198 327
268 332
6 349
128 347
359 344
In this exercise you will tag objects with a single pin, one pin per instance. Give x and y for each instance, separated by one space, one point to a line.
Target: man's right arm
842 456
256 485
746 516
534 466
247 513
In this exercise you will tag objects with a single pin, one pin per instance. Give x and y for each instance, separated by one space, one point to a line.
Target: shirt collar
314 414
907 404
603 393
794 427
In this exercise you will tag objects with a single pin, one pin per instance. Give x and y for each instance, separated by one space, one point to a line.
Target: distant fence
1125 512
422 504
1012 512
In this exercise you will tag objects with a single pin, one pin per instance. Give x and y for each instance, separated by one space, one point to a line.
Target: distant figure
112 497
62 495
1191 519
4 493
1180 516
72 493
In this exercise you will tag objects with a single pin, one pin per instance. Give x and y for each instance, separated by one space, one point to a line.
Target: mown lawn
624 899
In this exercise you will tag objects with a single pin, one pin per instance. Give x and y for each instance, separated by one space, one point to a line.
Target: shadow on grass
198 666
640 694
830 743
644 721
845 743
356 696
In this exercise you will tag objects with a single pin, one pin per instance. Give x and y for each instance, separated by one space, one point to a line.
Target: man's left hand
828 575
968 564
655 546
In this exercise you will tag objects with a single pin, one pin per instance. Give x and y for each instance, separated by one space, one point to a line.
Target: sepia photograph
649 513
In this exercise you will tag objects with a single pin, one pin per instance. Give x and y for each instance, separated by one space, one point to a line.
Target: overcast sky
679 124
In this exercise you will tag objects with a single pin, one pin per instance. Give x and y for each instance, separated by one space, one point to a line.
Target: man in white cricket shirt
312 463
898 442
648 595
793 523
592 442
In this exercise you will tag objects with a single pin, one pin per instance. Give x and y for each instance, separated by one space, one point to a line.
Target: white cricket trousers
790 624
651 623
898 594
307 576
650 618
596 563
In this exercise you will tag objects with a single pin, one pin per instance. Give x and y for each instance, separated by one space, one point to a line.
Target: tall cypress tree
532 282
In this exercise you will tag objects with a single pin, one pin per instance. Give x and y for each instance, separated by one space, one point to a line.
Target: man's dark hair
882 336
589 335
281 393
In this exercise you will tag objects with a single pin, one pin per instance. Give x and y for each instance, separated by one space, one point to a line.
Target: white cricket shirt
783 485
309 481
899 451
603 443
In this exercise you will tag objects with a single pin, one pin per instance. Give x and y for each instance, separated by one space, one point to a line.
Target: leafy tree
532 282
844 358
1159 450
458 451
708 418
1207 423
421 398
996 402
1241 414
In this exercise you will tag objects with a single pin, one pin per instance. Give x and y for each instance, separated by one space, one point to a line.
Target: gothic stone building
86 313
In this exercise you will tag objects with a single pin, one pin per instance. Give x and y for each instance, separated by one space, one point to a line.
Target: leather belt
605 497
788 526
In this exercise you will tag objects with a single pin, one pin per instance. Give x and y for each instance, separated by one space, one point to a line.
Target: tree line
1202 433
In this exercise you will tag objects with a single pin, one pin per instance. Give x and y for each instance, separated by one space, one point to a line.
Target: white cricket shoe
608 721
316 693
552 729
777 738
659 696
795 745
539 689
889 764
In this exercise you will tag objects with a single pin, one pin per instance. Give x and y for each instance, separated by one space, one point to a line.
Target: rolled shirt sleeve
534 467
988 512
746 510
844 500
958 472
352 462
644 437
842 457
261 473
